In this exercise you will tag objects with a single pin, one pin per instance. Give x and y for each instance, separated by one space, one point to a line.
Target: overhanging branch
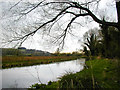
70 5
78 6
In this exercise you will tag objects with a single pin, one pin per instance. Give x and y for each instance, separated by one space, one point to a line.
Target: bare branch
94 17
15 4
33 8
68 26
32 33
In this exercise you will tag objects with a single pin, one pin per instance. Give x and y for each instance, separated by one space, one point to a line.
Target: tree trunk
118 13
118 16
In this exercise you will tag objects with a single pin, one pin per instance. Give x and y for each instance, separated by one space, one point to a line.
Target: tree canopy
50 15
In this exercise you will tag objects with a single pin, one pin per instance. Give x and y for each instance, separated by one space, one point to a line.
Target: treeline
31 52
67 54
104 42
11 52
23 52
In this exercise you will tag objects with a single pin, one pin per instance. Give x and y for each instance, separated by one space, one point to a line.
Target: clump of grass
38 86
71 80
50 85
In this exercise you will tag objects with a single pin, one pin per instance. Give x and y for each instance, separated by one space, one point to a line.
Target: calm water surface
23 77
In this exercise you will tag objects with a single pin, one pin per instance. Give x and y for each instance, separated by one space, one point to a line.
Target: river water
23 77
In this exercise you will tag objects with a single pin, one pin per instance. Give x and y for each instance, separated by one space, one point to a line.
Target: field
18 61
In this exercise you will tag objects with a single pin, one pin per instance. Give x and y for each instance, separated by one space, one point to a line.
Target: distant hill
22 51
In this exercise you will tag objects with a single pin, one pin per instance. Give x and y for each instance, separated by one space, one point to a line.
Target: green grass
101 73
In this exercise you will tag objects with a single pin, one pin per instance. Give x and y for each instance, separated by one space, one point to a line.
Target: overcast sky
40 42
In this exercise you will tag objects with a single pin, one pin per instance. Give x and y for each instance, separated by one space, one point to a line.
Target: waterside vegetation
100 74
18 61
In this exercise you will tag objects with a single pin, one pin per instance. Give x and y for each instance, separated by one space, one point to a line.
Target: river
23 77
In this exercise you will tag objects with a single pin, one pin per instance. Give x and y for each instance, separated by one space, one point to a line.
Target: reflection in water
24 77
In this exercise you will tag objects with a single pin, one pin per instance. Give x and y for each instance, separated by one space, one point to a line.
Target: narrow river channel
23 77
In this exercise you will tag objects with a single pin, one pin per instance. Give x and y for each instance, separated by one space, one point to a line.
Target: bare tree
51 13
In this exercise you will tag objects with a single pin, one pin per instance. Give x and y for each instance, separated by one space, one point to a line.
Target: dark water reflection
24 77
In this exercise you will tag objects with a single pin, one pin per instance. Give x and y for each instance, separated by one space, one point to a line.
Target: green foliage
91 44
110 41
76 54
50 85
67 54
106 43
38 86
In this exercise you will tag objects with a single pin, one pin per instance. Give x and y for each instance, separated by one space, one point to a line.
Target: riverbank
19 61
100 74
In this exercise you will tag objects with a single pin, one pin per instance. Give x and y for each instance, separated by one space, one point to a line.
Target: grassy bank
101 73
18 61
